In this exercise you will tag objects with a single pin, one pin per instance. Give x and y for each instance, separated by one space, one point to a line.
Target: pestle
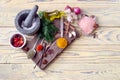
29 19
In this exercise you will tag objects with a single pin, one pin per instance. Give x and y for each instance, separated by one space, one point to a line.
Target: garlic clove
74 16
67 11
69 18
70 35
73 33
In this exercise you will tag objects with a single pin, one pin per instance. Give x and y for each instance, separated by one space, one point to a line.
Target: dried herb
48 30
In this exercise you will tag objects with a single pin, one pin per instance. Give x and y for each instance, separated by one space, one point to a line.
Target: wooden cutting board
44 58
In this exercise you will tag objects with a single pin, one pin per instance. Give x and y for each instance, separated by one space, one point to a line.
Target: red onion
77 10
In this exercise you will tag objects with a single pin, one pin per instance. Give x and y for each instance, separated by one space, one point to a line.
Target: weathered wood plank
74 0
106 35
72 55
87 58
60 72
106 11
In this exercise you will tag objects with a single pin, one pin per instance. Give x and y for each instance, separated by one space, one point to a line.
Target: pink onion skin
77 10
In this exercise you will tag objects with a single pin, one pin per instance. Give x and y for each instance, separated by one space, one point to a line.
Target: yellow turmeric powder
62 42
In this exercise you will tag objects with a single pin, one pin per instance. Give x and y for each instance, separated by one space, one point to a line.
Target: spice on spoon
31 53
61 42
39 46
43 54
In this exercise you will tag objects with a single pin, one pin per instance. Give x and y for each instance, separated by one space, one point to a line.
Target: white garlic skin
69 18
73 33
67 11
69 35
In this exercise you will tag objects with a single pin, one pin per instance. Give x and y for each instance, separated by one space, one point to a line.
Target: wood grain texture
105 35
106 11
75 71
87 58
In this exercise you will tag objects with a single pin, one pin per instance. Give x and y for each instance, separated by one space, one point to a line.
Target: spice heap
56 31
61 43
17 40
88 24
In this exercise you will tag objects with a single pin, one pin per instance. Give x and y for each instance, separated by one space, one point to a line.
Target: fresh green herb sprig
48 30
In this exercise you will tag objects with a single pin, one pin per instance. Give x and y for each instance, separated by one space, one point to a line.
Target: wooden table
87 58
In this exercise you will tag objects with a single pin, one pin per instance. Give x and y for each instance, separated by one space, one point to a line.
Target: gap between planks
60 72
106 36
